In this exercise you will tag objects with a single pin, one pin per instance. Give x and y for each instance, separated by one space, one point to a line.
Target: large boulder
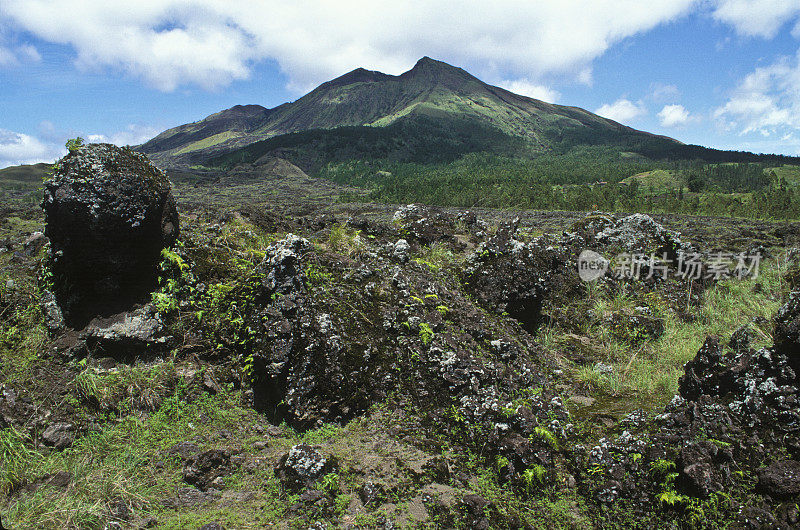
780 479
109 213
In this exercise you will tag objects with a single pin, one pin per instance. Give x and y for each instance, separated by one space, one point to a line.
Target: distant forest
455 162
588 178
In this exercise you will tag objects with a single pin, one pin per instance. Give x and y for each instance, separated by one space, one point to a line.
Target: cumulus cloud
132 135
18 148
532 90
622 110
757 18
766 101
210 43
673 116
48 145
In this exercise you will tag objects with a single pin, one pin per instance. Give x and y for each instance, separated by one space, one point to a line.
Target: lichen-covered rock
400 250
302 466
640 233
137 333
109 213
53 317
424 224
702 375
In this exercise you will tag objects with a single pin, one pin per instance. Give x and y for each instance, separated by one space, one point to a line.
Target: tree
694 182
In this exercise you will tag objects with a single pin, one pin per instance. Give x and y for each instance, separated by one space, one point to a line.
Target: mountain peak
438 72
359 75
426 64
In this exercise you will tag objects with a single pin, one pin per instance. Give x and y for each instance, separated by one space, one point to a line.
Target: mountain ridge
367 98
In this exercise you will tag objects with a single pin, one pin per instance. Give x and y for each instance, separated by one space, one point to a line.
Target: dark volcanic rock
787 328
509 276
59 435
700 467
703 373
205 468
109 212
424 224
780 479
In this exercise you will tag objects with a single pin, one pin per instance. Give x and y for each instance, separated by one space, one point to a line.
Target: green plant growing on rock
436 257
173 276
659 469
329 483
671 498
534 476
346 240
88 385
546 436
316 275
425 333
73 144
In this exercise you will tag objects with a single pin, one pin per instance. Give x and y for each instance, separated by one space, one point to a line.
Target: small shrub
345 240
73 144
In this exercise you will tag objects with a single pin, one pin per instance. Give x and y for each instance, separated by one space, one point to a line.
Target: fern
546 436
534 475
671 497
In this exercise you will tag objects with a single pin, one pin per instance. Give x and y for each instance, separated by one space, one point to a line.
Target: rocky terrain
366 366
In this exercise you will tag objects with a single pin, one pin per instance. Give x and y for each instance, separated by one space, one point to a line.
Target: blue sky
720 73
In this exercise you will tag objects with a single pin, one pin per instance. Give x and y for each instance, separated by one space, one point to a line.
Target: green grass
207 142
651 371
656 181
118 463
791 174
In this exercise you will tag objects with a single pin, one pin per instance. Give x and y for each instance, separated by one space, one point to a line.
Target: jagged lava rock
787 328
109 212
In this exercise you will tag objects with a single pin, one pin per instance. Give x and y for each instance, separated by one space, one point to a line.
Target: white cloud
7 57
585 76
210 43
132 135
664 92
757 18
622 110
767 101
15 56
18 148
673 116
29 53
532 90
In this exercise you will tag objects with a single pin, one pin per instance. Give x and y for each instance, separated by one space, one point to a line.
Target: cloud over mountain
210 43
